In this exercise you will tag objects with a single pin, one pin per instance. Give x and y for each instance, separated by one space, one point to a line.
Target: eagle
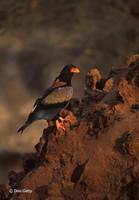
54 100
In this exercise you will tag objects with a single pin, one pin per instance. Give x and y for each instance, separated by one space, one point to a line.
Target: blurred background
39 37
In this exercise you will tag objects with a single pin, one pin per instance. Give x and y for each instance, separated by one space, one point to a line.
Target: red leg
60 124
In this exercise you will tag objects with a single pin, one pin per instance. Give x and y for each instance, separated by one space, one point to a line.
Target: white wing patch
59 95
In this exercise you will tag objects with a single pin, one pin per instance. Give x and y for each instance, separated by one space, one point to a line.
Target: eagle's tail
33 116
29 121
22 128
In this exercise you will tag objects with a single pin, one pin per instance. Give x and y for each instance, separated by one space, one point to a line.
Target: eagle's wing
38 101
58 92
59 95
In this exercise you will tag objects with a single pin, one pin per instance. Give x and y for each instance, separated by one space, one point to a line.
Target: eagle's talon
60 124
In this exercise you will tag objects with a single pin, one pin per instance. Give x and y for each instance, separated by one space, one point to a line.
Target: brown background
37 38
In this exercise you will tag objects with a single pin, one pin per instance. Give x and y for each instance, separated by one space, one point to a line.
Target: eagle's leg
60 124
67 119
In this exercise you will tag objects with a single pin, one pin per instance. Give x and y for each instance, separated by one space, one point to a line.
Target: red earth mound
97 158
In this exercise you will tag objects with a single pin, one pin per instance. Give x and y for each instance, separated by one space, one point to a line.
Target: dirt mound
97 158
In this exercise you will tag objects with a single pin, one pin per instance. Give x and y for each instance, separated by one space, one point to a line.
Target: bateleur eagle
54 100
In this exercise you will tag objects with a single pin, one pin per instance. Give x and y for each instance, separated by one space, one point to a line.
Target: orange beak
74 70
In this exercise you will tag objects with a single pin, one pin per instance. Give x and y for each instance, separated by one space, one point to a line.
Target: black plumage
54 99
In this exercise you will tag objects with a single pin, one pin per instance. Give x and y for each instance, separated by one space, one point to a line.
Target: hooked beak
74 70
